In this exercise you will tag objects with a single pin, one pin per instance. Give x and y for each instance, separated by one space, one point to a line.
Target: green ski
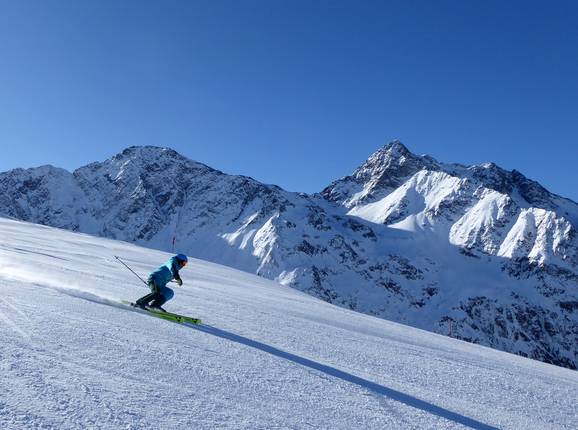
169 316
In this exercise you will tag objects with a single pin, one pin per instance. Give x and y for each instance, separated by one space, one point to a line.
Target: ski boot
156 308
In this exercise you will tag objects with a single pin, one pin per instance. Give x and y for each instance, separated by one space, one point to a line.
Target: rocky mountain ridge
476 251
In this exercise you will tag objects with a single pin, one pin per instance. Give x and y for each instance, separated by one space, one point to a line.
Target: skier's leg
144 300
153 295
165 295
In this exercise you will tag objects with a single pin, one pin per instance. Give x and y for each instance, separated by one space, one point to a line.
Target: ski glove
179 281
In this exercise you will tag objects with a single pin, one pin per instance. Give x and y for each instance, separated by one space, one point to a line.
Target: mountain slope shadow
348 377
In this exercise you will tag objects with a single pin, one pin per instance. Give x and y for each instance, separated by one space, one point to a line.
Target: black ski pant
158 295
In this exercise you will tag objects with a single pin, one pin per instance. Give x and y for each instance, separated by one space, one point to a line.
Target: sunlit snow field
267 357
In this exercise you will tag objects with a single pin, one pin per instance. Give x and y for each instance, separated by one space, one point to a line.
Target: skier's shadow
364 383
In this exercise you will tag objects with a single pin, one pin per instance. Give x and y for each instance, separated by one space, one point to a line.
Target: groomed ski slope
268 357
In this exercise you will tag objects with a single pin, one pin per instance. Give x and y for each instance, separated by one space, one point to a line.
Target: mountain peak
394 152
392 163
384 170
155 156
396 148
148 151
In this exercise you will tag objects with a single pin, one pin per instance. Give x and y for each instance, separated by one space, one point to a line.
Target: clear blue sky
295 93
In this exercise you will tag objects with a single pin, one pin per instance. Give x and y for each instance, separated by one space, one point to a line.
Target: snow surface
268 356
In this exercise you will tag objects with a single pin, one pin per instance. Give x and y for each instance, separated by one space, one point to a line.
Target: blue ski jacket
166 273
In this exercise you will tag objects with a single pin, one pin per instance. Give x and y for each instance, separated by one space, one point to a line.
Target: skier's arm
176 275
178 279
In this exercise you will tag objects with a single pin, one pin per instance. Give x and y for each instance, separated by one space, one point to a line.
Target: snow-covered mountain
477 252
267 356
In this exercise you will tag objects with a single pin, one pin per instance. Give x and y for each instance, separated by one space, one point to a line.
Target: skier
158 281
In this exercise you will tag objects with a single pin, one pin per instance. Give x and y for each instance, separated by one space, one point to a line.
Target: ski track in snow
269 357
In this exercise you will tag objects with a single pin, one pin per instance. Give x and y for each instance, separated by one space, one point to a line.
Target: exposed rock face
479 251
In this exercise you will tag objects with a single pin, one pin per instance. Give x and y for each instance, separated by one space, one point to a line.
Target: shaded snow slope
267 357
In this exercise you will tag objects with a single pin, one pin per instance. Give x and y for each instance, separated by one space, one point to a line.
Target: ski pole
135 274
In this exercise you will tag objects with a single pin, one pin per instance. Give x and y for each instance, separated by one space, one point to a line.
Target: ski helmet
182 258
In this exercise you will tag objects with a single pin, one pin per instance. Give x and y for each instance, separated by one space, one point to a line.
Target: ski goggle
183 262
